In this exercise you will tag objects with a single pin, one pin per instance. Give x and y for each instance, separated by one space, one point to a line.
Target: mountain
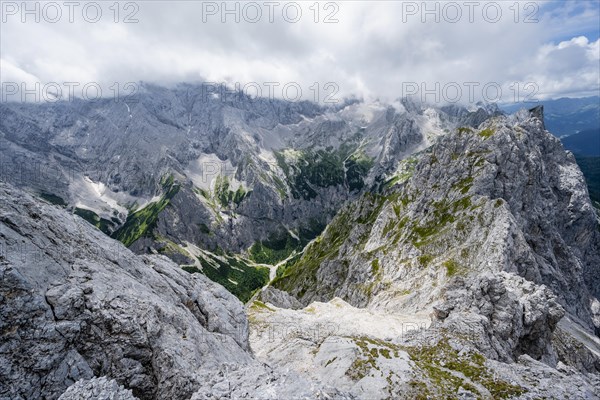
188 247
496 197
566 116
78 306
576 122
491 232
218 185
585 143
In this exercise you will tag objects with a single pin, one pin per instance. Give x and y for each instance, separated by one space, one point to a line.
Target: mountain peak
538 112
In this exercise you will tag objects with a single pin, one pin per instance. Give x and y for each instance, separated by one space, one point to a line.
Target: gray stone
97 388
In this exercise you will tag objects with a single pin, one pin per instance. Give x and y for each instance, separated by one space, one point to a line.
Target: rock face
99 388
505 315
490 229
243 382
504 197
278 298
78 305
249 170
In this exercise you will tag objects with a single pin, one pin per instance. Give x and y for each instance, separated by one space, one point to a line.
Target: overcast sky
375 49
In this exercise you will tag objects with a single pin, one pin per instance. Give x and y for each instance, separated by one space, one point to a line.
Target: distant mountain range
585 143
566 116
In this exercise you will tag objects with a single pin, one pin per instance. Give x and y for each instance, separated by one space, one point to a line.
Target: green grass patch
444 212
486 133
300 275
307 170
227 197
375 266
425 259
260 306
103 224
191 269
437 361
357 167
370 351
53 199
276 248
463 185
236 275
452 267
169 248
141 223
406 169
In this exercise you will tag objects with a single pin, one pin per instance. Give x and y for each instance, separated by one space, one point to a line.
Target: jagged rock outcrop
97 388
378 355
278 298
503 314
78 305
491 228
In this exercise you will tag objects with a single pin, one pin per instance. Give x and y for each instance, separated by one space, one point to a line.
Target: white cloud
568 68
372 51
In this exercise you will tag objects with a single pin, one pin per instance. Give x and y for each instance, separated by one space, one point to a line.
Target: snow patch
97 197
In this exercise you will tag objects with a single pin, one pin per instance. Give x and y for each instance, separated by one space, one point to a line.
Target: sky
442 51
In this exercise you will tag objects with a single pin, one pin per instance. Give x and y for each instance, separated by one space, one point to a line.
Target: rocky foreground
78 305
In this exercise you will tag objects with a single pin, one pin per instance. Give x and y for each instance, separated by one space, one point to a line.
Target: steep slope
492 233
78 305
504 197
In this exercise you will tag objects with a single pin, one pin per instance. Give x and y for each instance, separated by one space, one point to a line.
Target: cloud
374 50
567 68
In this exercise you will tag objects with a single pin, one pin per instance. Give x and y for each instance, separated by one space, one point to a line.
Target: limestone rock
97 388
77 304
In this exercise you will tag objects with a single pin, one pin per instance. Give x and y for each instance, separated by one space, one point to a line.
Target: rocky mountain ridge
87 317
490 231
505 196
